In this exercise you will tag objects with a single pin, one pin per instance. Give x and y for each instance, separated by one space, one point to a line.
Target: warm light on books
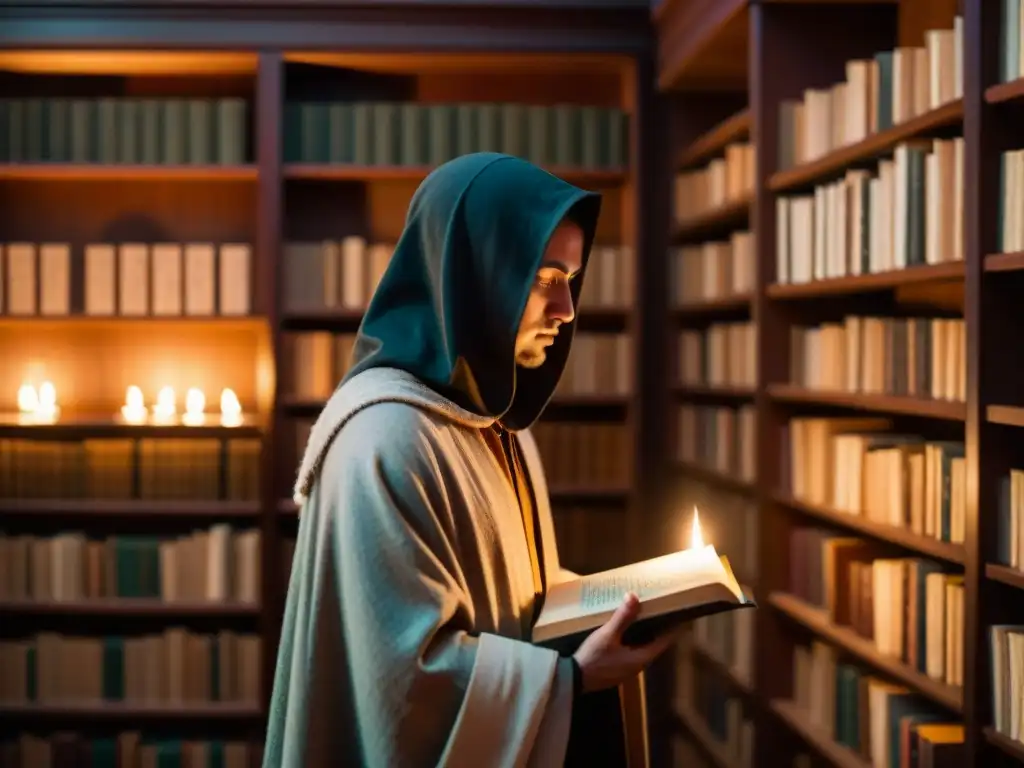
28 399
195 406
696 536
134 409
166 406
230 408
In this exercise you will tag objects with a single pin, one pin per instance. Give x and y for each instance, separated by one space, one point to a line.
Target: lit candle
230 409
165 407
47 410
696 536
195 405
134 409
28 399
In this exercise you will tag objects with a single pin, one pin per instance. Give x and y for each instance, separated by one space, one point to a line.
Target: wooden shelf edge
1004 574
1004 262
134 508
734 128
712 475
1007 415
947 271
353 172
713 306
950 553
835 753
894 404
98 172
1010 747
868 149
695 725
129 607
704 390
733 213
116 710
815 620
1001 93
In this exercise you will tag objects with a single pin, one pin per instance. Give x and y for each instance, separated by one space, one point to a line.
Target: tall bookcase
886 398
275 173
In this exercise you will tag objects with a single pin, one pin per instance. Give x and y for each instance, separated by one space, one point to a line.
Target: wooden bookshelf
266 199
973 272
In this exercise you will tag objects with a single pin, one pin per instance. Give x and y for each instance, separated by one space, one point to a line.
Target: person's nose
561 307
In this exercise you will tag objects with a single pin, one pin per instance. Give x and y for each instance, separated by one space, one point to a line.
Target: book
673 589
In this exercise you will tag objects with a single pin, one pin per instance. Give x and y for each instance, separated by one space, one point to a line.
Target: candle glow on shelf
28 400
195 407
134 410
165 407
230 409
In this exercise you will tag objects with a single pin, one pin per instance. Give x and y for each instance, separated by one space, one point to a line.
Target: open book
673 589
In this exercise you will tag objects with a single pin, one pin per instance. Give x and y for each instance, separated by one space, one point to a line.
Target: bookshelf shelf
1009 747
67 427
894 404
711 475
879 281
870 148
342 172
130 509
714 222
1007 415
836 754
1005 575
1003 93
714 142
950 553
725 393
711 746
724 306
817 622
127 608
97 172
1004 262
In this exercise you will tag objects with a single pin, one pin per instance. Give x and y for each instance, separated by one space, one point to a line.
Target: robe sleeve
426 690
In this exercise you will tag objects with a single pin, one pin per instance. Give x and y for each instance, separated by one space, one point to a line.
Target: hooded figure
426 541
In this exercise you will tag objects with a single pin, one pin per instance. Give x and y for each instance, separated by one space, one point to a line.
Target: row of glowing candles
40 405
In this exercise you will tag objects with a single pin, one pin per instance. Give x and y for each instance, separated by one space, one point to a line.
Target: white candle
195 407
134 409
230 409
165 407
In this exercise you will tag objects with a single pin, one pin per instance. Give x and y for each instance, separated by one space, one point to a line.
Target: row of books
729 639
343 274
878 93
909 607
718 438
167 131
207 469
923 357
591 538
216 565
908 211
1012 35
129 749
722 355
126 279
411 134
713 270
885 723
1011 520
860 467
724 180
579 455
707 699
1006 643
175 667
1011 200
599 364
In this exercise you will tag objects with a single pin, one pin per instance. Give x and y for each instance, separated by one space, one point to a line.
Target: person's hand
605 662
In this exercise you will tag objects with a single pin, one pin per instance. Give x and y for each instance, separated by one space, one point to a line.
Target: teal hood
447 308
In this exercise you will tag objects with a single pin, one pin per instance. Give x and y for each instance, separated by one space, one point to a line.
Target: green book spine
35 130
567 136
58 139
413 136
488 121
292 149
5 130
215 754
467 131
884 97
362 134
590 137
314 132
231 134
106 131
169 754
538 135
617 138
386 133
1011 40
341 149
83 139
113 669
915 206
442 133
200 132
103 753
16 131
514 139
128 134
175 132
127 567
150 126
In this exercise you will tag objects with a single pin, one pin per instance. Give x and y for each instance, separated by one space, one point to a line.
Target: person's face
550 302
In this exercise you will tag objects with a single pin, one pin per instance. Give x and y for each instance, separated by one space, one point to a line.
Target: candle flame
47 396
195 401
696 536
28 399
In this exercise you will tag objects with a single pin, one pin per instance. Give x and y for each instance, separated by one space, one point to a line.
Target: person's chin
532 359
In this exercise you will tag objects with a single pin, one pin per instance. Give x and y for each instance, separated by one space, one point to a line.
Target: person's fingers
623 616
645 654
